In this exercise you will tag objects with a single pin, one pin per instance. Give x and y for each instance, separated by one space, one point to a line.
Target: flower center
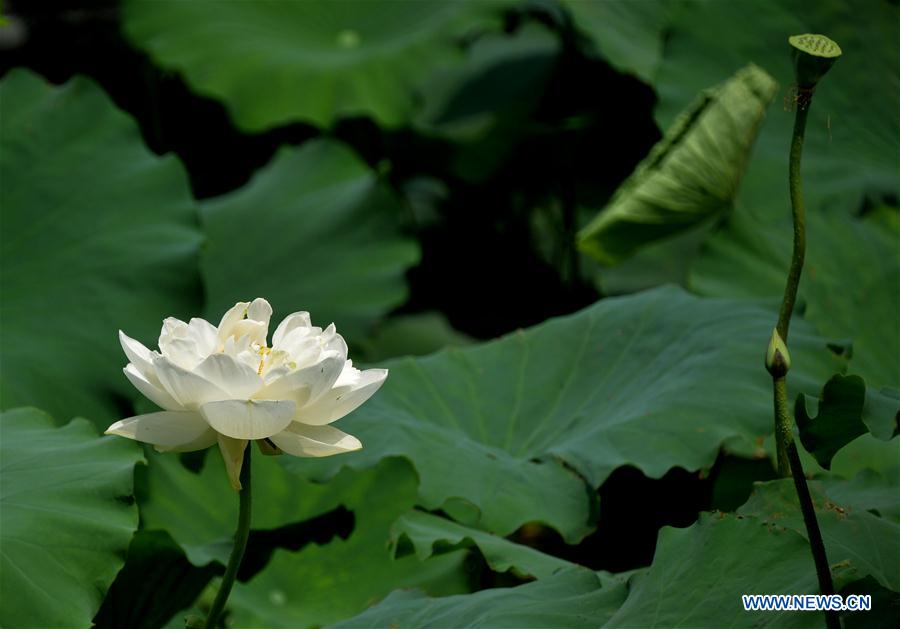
263 351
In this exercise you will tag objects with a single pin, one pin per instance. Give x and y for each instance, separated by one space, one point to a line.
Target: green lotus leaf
298 588
699 573
845 411
863 454
484 107
66 518
99 234
692 174
412 335
199 510
628 35
153 557
508 432
314 230
428 533
857 541
315 61
323 584
875 492
575 599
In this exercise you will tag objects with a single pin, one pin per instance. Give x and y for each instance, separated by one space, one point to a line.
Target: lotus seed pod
778 359
813 56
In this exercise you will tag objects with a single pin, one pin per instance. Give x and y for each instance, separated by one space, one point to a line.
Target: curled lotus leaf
690 175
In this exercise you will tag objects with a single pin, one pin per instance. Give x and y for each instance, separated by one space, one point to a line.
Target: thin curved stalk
240 544
798 210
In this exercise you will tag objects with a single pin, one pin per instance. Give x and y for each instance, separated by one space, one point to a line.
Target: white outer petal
155 394
238 379
167 430
249 419
293 320
315 441
189 389
233 454
340 401
137 353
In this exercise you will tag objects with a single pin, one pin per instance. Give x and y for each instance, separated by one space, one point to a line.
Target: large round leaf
655 380
66 518
312 61
98 234
575 599
315 230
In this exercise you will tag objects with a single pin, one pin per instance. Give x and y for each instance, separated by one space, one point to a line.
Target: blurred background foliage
432 175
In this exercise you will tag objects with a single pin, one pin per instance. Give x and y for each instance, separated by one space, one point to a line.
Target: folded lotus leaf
693 173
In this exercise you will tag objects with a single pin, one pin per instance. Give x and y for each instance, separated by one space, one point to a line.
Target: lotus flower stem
240 544
813 55
799 214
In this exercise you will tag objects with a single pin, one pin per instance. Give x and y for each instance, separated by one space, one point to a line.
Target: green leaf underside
97 233
65 518
324 584
574 599
654 380
690 175
314 61
322 234
428 533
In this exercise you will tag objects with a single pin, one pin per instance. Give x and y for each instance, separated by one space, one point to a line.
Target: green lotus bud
778 360
813 56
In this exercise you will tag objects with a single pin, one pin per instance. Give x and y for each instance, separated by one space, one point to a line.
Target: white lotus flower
225 385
